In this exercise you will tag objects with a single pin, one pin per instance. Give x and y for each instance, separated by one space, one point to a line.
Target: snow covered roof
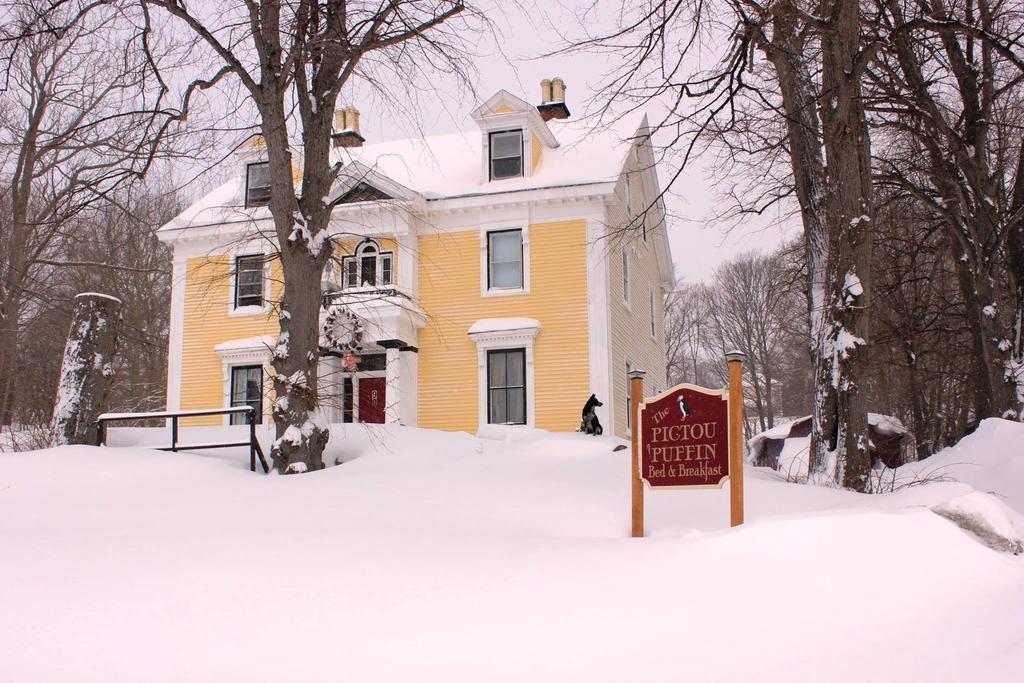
447 166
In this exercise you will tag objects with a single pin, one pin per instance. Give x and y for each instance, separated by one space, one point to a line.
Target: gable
362 192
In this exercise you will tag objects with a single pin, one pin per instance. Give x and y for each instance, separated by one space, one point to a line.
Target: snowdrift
445 557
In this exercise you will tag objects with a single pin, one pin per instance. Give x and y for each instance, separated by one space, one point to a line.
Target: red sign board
684 438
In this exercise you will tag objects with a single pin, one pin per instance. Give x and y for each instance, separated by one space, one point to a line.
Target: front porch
377 383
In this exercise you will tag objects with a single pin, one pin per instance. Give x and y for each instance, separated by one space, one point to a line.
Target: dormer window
257 184
506 154
368 267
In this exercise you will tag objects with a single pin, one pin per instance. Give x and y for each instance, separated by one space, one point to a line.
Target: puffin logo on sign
684 407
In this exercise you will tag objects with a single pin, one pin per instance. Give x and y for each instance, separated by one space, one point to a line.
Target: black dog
590 423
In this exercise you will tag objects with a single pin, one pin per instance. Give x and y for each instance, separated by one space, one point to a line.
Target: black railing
253 443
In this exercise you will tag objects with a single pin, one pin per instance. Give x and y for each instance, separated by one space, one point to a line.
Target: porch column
393 392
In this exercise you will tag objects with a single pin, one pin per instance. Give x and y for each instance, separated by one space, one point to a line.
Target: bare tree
811 83
292 61
77 124
947 94
686 333
115 250
748 306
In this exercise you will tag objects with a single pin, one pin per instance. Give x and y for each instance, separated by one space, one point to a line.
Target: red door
371 399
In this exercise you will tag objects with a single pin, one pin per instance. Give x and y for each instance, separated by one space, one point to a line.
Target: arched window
368 266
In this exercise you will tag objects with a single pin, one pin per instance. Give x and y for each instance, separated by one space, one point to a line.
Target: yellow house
484 274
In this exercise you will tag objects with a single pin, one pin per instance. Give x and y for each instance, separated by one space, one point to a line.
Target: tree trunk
88 369
1015 263
850 212
301 226
836 208
8 355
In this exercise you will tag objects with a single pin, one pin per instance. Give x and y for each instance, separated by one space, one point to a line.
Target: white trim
176 332
485 230
357 256
522 338
233 354
487 117
392 386
599 320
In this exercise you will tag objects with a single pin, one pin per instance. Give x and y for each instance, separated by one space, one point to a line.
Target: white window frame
522 154
257 353
263 388
234 311
248 168
485 266
506 339
357 257
489 388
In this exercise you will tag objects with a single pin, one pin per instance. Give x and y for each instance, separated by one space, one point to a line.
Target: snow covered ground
430 556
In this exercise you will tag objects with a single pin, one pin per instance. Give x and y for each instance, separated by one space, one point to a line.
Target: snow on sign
684 438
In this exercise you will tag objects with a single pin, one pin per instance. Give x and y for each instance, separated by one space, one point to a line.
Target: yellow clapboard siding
450 294
208 323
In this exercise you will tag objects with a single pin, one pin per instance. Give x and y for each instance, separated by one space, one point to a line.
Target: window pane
368 276
507 144
496 370
506 246
507 276
351 272
515 369
499 409
373 362
346 409
510 167
516 401
385 269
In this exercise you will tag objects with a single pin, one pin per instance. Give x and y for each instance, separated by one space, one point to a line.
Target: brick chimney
346 128
552 96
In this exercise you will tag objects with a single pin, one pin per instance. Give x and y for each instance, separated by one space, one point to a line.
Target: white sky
526 33
698 244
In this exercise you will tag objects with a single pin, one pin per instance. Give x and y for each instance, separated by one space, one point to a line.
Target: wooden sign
684 438
688 437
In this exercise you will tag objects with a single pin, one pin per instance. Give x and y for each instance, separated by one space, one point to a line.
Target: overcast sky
698 245
515 61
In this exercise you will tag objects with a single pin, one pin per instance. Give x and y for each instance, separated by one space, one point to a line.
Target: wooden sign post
735 360
688 437
636 397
